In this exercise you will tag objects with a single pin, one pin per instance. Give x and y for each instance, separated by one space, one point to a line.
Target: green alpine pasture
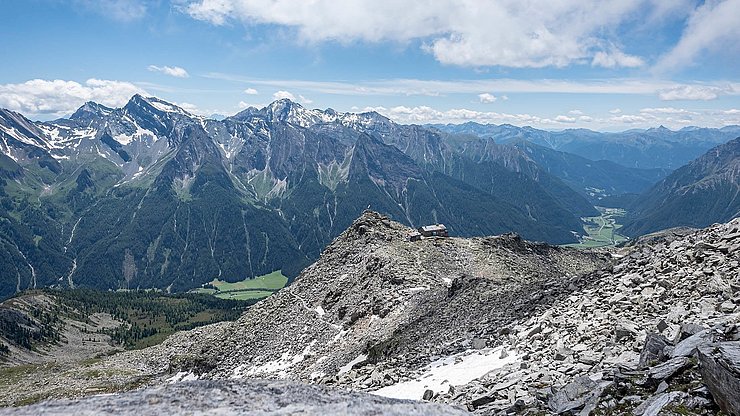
258 288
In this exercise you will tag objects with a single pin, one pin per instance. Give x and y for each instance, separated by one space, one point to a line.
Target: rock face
253 397
720 368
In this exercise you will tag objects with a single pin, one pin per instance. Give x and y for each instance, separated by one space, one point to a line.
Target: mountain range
150 195
654 148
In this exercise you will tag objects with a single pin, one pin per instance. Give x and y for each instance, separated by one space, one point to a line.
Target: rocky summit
494 325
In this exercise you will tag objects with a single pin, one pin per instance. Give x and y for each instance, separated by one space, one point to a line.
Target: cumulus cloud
508 33
628 118
173 71
279 95
59 97
486 98
693 92
565 119
251 91
666 110
426 114
711 26
615 111
616 58
647 117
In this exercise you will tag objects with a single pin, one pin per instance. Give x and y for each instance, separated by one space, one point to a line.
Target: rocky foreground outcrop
252 397
660 332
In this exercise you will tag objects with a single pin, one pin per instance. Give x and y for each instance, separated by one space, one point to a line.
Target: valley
602 231
252 288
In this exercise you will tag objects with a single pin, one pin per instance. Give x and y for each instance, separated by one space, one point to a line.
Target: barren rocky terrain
497 325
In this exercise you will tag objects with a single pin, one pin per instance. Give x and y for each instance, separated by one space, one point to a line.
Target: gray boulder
720 369
236 397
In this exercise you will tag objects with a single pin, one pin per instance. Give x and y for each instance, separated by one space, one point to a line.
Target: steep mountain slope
644 149
148 195
703 192
497 324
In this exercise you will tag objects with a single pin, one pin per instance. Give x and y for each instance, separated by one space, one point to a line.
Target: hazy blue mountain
645 149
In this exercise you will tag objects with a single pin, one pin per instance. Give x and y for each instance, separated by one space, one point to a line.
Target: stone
653 350
727 307
668 369
428 394
719 365
481 401
687 347
662 326
573 395
478 343
654 405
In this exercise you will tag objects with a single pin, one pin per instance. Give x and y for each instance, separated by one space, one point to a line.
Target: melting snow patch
182 376
450 371
278 367
360 358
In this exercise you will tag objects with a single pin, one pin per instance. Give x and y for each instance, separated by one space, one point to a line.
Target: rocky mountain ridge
497 324
178 200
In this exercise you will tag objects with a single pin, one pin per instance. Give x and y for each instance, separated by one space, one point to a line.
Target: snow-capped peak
91 109
149 103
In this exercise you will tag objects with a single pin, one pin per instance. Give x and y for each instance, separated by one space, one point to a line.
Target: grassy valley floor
601 231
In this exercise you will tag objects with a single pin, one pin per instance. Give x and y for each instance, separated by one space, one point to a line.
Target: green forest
147 317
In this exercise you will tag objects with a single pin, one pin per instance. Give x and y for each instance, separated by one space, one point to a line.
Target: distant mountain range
149 195
645 149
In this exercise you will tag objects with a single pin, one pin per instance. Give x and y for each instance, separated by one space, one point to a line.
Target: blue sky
554 64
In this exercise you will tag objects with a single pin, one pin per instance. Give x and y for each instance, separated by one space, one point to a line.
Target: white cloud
576 112
694 92
615 111
425 114
616 58
565 119
486 98
675 118
173 71
666 110
251 91
279 95
713 26
508 33
121 10
59 97
628 119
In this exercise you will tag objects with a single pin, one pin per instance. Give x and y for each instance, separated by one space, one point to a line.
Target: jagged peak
153 104
91 108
